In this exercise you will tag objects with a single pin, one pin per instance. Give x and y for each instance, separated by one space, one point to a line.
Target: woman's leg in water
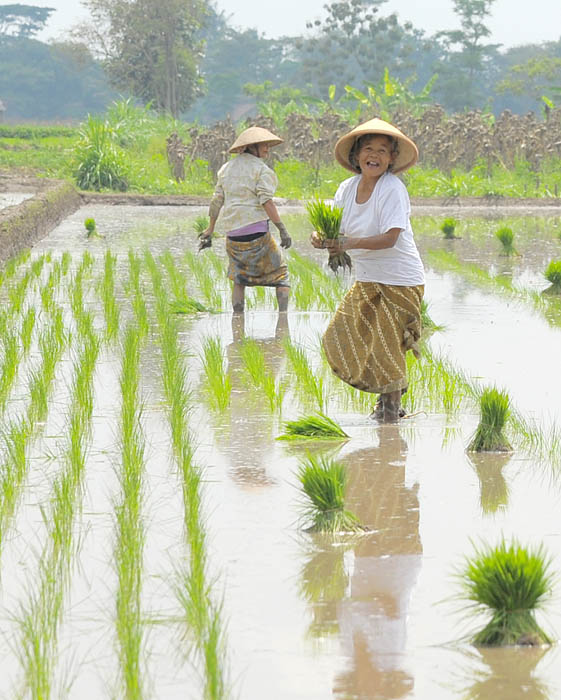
238 298
282 298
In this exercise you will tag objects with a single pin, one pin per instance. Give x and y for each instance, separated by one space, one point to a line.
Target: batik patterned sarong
366 341
256 263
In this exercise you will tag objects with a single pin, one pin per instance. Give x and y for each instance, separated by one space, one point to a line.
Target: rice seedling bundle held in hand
324 483
510 582
326 220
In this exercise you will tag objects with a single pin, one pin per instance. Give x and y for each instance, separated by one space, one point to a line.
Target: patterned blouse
243 185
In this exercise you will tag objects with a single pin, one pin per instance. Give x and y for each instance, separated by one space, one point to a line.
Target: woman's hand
333 245
205 239
316 240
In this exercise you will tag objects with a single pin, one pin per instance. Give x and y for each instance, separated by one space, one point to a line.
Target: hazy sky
512 21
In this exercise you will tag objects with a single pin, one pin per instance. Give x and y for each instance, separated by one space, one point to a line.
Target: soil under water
308 616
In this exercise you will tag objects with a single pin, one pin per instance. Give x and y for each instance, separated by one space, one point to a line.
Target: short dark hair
361 140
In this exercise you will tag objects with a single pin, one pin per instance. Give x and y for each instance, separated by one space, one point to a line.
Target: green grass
316 427
509 582
323 481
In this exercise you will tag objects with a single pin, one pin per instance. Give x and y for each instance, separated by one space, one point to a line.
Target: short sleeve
394 207
267 183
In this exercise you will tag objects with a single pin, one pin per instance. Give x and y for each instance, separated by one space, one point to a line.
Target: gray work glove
205 241
286 240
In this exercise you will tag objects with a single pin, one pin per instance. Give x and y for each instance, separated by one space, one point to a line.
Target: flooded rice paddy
134 482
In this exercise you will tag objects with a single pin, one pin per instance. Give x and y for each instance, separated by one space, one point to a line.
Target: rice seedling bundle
506 237
509 582
448 227
326 220
494 412
553 275
316 427
324 482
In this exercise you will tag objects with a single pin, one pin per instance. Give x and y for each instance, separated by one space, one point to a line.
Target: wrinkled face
375 155
262 149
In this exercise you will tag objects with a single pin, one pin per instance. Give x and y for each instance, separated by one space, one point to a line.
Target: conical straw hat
406 157
255 134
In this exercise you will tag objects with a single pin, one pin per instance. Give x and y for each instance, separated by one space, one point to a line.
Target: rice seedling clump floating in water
318 427
448 228
326 220
553 275
494 412
506 237
324 483
511 582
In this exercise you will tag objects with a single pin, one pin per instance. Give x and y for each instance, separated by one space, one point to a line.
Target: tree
149 49
354 45
23 20
465 68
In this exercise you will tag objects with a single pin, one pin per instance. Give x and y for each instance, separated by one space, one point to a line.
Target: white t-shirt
388 207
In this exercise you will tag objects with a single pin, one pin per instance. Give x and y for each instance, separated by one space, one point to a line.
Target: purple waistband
257 227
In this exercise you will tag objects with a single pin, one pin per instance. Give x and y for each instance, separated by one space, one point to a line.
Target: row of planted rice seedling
154 290
202 609
40 616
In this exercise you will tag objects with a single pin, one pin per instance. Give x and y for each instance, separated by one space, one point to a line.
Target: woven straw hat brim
255 134
408 151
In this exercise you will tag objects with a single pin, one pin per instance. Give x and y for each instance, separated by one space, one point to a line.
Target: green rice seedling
9 370
553 275
91 228
65 261
27 326
201 224
218 383
16 294
254 361
509 582
13 471
110 307
506 237
427 324
137 296
494 412
324 483
448 228
130 530
37 266
183 303
308 383
326 220
203 273
316 427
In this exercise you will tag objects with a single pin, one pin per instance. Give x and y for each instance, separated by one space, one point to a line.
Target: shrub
100 163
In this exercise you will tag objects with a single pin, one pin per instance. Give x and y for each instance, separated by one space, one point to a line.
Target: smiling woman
380 317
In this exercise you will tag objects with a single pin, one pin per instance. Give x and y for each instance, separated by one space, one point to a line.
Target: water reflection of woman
387 561
250 423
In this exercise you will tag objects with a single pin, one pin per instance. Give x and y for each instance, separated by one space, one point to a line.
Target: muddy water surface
370 616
